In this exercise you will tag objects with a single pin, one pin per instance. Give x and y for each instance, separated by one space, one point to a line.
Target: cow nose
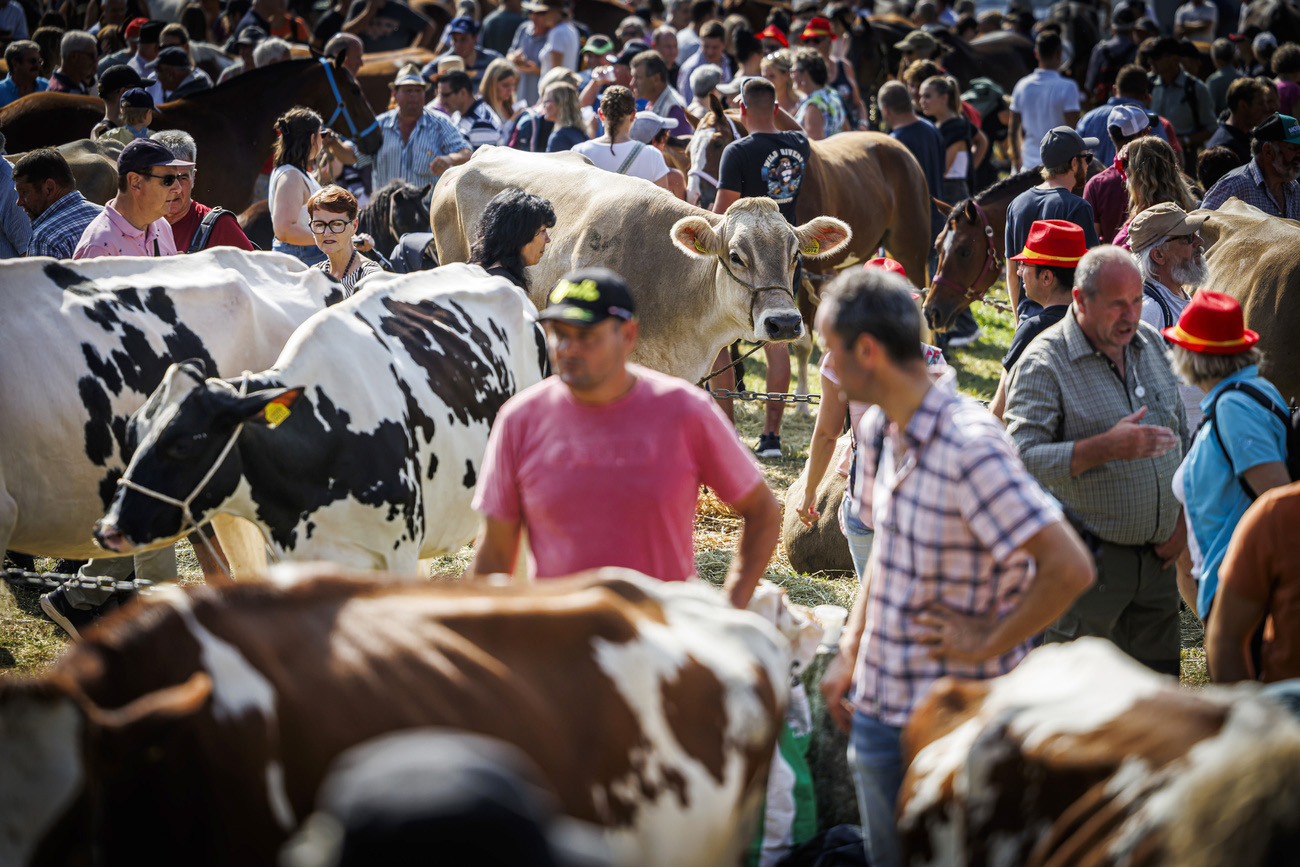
786 327
109 537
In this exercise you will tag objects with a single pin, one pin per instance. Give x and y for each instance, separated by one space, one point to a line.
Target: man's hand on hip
953 635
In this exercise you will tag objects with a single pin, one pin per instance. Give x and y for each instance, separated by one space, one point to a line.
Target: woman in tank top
297 143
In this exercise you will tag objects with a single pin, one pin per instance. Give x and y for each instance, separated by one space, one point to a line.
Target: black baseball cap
250 36
173 55
121 76
137 97
589 296
145 153
151 31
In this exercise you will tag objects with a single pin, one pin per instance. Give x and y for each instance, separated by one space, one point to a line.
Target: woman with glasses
776 68
333 223
512 235
820 111
297 144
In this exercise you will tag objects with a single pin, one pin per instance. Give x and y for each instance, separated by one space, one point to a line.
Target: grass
28 641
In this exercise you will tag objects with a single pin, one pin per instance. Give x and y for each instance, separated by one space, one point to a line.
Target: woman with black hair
512 235
297 143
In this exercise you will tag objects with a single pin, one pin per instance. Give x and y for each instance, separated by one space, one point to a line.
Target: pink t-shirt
612 485
110 234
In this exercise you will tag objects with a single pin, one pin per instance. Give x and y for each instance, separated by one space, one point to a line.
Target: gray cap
1062 144
705 78
648 125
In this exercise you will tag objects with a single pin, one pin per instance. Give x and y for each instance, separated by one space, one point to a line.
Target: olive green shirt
1064 390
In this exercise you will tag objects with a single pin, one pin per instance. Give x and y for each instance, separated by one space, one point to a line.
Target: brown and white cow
196 726
700 280
1082 756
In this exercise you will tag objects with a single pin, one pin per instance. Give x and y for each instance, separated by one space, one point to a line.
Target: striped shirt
480 125
434 136
1063 390
56 232
952 506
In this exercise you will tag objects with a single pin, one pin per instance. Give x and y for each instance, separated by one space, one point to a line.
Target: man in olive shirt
1094 410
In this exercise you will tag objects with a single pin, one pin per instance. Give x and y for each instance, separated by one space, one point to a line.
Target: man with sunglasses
1066 156
192 228
132 223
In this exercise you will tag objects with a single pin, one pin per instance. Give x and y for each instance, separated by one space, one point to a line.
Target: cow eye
186 447
736 260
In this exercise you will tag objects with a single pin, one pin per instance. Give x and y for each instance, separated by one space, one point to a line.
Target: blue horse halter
340 108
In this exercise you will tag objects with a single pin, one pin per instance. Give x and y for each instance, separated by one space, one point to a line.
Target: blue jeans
876 760
860 536
310 254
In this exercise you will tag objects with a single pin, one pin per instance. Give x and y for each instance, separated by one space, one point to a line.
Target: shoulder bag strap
640 146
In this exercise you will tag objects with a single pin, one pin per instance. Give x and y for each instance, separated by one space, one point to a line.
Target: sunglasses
1186 239
318 227
167 180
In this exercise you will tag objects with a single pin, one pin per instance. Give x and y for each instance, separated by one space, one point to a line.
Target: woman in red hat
1239 451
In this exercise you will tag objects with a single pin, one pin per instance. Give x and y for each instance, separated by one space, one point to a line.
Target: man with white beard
1165 240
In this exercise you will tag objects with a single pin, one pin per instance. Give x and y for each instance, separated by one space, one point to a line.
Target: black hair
1047 45
457 80
294 130
510 220
44 164
1214 163
1133 82
1064 276
876 302
702 10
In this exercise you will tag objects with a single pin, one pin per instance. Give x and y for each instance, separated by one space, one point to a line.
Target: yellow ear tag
812 249
699 246
275 414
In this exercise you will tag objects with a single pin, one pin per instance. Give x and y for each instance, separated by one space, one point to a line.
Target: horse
970 249
232 124
395 209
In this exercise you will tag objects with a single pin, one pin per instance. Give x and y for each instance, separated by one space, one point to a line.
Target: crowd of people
1132 459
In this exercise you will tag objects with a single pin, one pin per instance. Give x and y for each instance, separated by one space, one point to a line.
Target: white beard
1191 272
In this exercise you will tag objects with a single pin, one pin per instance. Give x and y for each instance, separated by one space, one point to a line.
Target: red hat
1212 324
133 29
884 263
774 32
1053 242
817 27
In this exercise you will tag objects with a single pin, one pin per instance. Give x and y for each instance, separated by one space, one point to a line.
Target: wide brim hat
774 32
917 40
1159 222
1058 243
1213 324
410 74
817 27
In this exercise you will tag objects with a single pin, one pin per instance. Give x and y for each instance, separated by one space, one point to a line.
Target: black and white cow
83 344
361 445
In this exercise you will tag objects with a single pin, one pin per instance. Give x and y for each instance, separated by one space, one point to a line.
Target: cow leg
243 546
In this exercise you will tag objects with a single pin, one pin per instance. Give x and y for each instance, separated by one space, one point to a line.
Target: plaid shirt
952 505
57 231
1247 183
1063 390
434 136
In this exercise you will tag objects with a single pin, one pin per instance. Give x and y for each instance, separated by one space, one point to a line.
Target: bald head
349 45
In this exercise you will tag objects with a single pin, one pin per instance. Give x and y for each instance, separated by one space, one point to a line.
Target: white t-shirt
1042 98
649 163
563 37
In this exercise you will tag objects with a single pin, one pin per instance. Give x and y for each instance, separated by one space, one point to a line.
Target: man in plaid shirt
48 193
971 557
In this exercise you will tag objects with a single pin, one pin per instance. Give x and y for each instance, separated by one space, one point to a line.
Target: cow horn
161 705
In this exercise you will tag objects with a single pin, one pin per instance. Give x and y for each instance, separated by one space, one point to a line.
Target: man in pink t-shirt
603 462
132 222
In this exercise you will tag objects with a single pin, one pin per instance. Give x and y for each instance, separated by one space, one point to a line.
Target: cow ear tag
275 412
812 248
699 246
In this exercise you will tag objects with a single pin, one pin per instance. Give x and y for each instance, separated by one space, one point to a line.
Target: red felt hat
1213 324
133 29
817 27
1053 242
774 32
884 263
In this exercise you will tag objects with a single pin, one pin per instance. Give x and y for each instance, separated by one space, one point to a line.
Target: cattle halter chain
992 263
187 515
340 108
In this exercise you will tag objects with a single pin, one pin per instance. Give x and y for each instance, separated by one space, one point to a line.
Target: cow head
49 784
185 453
757 252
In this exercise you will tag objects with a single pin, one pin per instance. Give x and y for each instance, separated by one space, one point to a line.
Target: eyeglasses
1187 239
318 227
1086 157
167 180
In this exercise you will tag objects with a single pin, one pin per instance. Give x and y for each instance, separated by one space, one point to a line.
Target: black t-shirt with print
767 164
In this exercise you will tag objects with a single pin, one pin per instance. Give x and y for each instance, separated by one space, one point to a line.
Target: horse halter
992 264
701 173
188 521
340 108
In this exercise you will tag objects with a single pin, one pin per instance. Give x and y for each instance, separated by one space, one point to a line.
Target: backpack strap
1260 398
1166 312
204 231
627 163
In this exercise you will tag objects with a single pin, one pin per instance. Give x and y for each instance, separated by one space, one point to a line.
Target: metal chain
54 580
769 396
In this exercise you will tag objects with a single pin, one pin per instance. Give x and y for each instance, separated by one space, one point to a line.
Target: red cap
133 29
1213 324
817 27
884 263
1053 242
774 32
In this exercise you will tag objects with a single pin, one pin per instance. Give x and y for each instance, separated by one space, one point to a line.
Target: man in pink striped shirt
132 222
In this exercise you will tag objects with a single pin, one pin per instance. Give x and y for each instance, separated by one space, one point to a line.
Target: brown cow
1252 257
1083 756
196 726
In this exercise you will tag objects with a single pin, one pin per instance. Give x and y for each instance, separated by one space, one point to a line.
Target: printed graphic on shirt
783 172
